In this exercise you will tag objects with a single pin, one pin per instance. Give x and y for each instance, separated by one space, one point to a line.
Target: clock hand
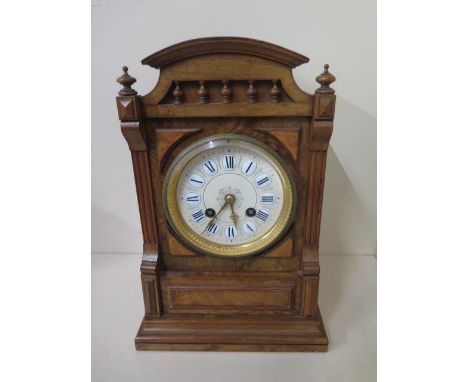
234 215
211 222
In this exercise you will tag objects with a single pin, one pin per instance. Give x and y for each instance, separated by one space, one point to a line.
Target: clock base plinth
233 333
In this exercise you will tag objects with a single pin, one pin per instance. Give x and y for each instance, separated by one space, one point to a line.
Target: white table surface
347 302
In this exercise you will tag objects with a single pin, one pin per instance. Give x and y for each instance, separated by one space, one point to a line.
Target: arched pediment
215 45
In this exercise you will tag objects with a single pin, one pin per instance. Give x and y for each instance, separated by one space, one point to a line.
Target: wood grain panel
289 138
310 296
283 249
213 292
167 139
230 110
219 298
176 248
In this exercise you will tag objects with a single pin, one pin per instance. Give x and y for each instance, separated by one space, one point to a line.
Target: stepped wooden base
232 333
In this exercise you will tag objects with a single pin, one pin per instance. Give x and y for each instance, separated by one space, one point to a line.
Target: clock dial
229 195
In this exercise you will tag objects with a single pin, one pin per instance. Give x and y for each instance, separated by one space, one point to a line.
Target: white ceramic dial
247 176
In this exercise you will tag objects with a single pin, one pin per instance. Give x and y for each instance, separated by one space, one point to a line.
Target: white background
340 33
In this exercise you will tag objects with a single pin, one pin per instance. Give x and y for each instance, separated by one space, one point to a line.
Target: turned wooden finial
202 92
275 92
251 91
178 94
226 92
325 79
126 80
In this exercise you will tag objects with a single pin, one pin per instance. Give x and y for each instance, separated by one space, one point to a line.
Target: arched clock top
226 77
220 45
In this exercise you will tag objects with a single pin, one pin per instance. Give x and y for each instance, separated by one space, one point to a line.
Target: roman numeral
262 215
249 227
196 180
249 167
192 198
213 228
268 198
229 161
230 232
198 215
262 181
210 167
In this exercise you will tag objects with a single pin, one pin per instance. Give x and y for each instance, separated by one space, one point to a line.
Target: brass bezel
203 245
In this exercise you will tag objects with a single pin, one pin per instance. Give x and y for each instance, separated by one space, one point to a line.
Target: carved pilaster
145 197
315 190
128 106
320 134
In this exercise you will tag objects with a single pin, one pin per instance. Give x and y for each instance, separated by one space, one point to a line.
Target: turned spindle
178 94
275 92
202 92
251 92
226 92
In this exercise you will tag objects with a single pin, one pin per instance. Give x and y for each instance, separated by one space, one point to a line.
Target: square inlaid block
128 108
324 106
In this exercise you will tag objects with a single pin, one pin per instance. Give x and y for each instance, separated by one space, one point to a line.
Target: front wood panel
214 298
176 248
283 249
168 137
229 293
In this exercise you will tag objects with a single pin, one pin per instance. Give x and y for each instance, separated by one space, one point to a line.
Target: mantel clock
229 162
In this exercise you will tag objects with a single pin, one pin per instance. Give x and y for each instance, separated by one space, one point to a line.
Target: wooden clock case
266 302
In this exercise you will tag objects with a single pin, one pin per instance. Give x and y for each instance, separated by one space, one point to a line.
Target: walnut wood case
266 302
